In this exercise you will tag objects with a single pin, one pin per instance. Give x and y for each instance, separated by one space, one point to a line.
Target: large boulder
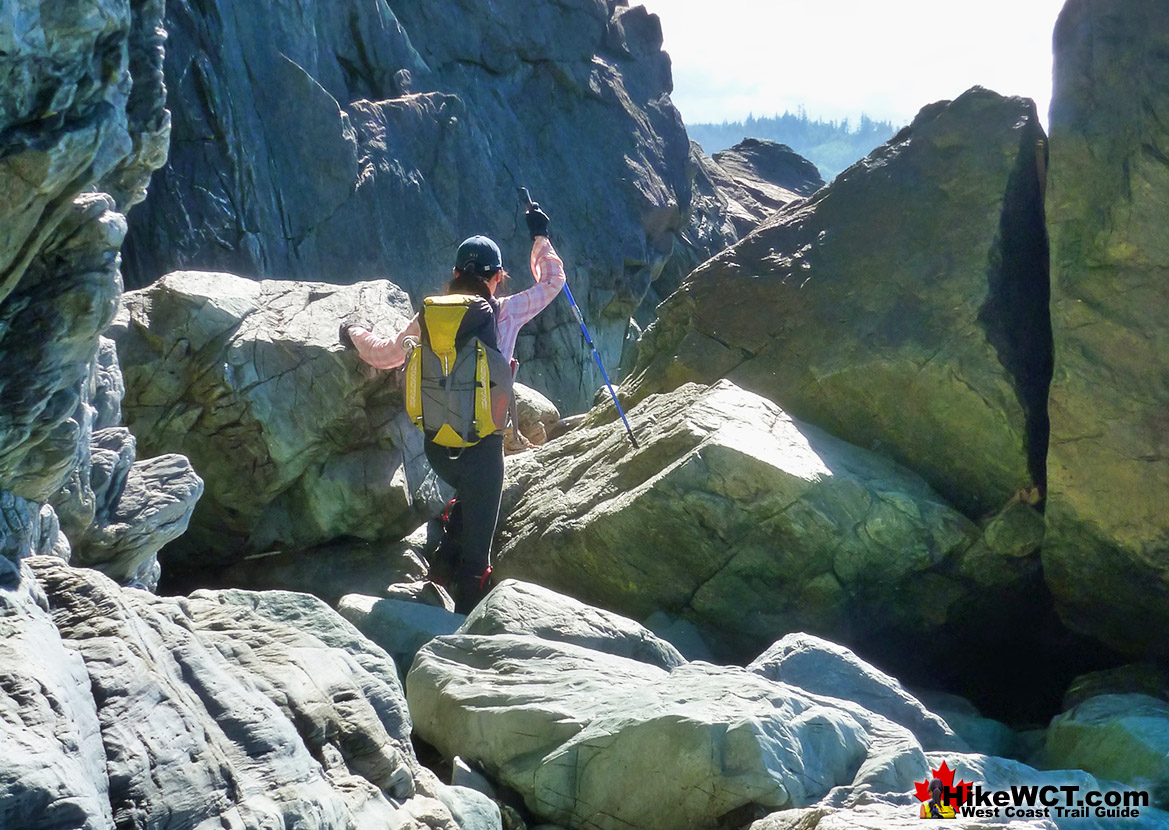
903 307
760 176
298 441
825 668
515 607
1107 551
744 521
592 740
223 708
414 125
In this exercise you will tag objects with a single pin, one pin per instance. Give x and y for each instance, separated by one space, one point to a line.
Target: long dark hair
466 282
470 282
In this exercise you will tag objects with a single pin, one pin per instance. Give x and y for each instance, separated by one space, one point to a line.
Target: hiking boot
469 589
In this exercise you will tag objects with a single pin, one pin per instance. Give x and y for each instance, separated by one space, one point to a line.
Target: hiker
475 471
935 807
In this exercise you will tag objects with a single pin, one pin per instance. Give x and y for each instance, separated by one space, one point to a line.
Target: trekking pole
584 330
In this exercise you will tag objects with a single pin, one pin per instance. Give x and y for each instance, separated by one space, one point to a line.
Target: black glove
537 221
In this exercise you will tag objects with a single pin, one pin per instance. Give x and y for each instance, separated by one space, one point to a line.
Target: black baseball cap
478 255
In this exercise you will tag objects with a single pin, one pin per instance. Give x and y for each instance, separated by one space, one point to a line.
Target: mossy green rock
740 519
1106 556
1118 737
904 306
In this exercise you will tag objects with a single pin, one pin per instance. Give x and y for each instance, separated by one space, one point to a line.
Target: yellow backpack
457 394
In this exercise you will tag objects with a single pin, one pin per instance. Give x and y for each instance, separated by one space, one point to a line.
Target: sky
841 58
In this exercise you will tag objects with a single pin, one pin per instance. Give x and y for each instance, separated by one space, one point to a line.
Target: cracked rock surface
299 441
903 307
224 708
738 518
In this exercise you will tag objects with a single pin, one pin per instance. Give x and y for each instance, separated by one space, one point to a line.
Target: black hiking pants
477 476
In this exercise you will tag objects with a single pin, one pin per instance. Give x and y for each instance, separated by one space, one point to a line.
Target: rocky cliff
1107 555
364 140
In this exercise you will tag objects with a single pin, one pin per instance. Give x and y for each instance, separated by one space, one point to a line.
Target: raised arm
548 271
383 352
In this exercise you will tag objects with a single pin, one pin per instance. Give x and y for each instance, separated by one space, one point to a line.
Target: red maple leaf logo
954 796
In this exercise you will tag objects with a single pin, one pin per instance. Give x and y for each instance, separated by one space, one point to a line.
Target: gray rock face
598 741
902 307
1107 551
825 668
53 769
415 124
760 177
298 441
84 124
740 519
80 109
223 708
515 607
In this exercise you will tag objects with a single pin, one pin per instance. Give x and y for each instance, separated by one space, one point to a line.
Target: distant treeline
830 145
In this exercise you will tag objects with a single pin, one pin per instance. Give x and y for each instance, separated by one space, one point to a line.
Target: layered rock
598 741
53 769
1107 551
299 442
414 126
226 707
744 521
903 307
759 177
84 124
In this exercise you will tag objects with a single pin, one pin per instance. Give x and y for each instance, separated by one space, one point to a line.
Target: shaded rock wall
82 127
364 140
1107 550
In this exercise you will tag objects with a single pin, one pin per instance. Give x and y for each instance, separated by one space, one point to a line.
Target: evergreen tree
831 146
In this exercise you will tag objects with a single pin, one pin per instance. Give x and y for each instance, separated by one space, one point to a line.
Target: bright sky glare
841 58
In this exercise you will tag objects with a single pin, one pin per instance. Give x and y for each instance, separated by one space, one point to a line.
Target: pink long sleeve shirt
514 311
